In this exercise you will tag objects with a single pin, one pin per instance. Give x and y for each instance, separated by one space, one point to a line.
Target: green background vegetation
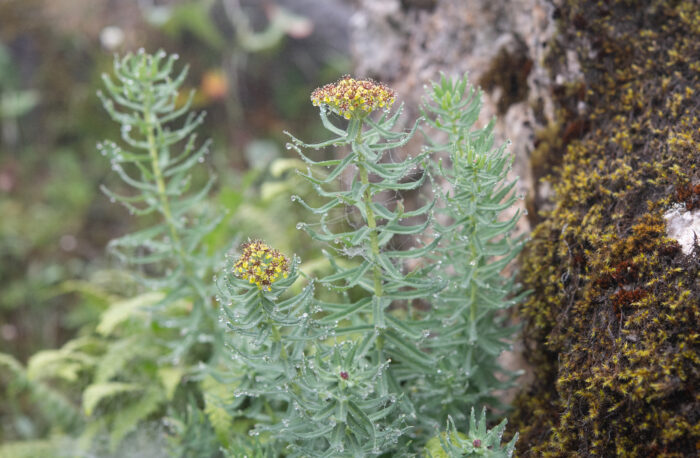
54 275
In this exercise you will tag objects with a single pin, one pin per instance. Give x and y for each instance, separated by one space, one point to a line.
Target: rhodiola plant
478 440
476 244
402 334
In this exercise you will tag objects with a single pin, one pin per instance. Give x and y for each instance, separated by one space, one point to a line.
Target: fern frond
53 405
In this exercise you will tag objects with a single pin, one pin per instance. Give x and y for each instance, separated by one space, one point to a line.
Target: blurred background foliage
253 65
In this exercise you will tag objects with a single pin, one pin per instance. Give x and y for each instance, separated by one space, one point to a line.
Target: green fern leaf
128 418
170 378
62 363
118 355
216 395
123 310
94 393
52 404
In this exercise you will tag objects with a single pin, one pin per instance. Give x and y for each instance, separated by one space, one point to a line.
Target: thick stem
277 337
373 238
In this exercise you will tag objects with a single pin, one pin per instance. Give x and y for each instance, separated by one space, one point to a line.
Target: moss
611 328
689 196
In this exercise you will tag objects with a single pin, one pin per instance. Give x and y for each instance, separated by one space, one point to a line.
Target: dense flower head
353 98
260 264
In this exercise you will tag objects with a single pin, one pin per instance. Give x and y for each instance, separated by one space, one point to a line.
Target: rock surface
499 43
683 226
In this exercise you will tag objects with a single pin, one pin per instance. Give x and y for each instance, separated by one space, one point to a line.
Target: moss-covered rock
612 327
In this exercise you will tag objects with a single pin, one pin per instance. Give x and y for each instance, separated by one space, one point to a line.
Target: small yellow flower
261 265
352 98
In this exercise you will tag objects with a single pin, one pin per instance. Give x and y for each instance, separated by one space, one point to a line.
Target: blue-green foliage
476 245
157 162
403 332
293 376
477 442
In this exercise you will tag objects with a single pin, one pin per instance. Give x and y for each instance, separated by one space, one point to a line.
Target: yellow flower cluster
261 265
353 98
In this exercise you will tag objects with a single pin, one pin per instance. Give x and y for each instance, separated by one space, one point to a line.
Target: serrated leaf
128 418
170 378
123 310
95 393
116 357
61 363
215 395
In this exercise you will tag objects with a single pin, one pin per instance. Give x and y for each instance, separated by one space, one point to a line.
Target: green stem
270 411
160 181
277 337
455 139
371 221
373 237
473 234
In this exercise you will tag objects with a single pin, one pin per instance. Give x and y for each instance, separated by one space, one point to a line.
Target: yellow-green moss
612 326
